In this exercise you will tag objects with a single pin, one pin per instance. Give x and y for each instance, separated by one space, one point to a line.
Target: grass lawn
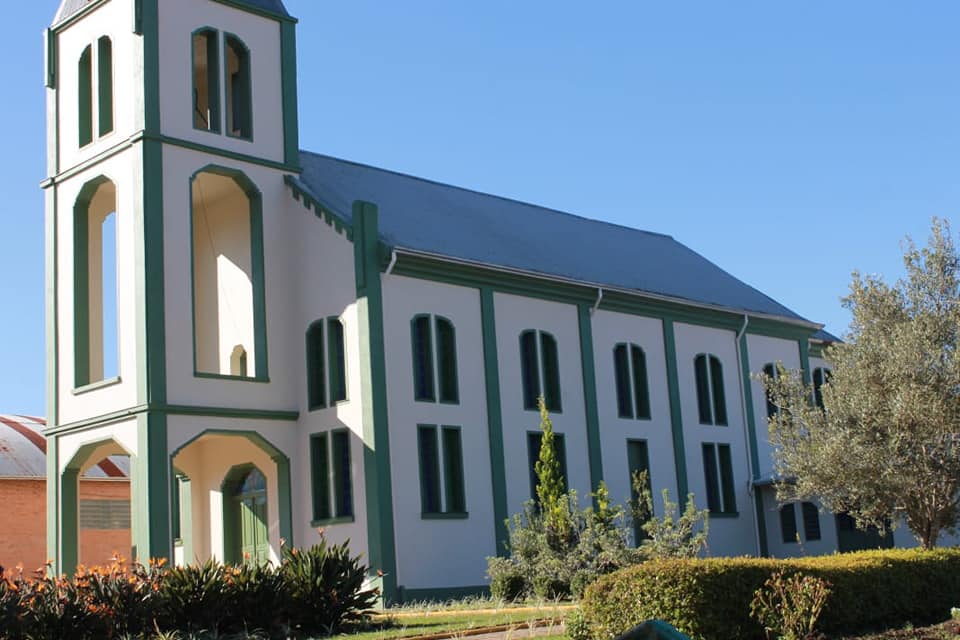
456 619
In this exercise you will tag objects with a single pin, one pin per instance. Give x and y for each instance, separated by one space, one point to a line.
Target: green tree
885 447
670 536
552 496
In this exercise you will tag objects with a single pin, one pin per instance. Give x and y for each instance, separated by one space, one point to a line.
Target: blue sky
788 142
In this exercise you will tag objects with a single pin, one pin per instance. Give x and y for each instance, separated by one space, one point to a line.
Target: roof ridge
488 195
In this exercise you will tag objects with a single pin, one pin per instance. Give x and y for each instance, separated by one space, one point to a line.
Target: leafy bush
710 598
790 606
576 626
506 581
670 536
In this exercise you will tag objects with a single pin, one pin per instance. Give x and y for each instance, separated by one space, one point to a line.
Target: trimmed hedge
710 598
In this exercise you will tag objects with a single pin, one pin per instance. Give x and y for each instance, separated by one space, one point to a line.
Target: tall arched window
239 96
434 348
326 363
105 85
95 283
206 81
821 376
540 369
630 370
104 91
85 97
228 274
770 370
711 401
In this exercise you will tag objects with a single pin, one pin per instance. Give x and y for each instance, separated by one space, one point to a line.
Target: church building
280 341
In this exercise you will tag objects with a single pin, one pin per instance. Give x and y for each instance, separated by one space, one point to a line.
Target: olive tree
885 445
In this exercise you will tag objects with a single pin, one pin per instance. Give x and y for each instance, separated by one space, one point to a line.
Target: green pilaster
754 443
69 523
150 490
590 395
676 416
150 27
373 380
53 503
288 73
491 371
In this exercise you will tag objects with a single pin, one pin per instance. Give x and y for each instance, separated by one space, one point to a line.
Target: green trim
226 376
546 288
373 382
50 64
288 80
676 416
232 552
213 79
326 522
321 210
150 25
104 86
748 401
590 396
69 556
150 490
258 277
444 515
51 270
246 117
817 350
85 97
184 503
441 594
175 410
761 523
724 515
79 15
266 13
54 522
150 281
284 491
491 372
138 17
93 386
81 281
804 346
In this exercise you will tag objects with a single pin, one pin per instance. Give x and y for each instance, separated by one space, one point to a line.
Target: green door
253 546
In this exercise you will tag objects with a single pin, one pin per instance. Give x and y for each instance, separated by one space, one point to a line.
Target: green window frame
540 370
770 370
331 477
788 523
718 478
205 61
238 85
326 363
105 85
534 440
630 372
434 352
638 459
442 489
821 376
811 521
711 399
85 97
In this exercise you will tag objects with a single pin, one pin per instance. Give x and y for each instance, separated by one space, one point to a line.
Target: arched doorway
245 516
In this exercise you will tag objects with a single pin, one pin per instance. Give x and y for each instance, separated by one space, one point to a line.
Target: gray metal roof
824 336
23 452
70 7
426 216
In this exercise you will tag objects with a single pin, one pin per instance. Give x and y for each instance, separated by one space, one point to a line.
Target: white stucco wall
728 535
610 329
458 546
765 350
178 20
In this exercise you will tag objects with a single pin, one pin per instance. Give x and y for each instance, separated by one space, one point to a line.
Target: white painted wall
444 542
778 548
610 329
112 19
514 315
178 20
728 536
765 350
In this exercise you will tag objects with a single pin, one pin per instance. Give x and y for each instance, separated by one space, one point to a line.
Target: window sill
458 515
331 521
323 407
223 376
724 514
93 386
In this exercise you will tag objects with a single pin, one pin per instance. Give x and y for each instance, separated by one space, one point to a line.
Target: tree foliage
885 447
669 536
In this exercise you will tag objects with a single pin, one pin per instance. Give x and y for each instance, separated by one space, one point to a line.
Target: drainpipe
596 305
746 432
393 261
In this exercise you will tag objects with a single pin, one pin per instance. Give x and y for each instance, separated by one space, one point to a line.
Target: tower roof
70 7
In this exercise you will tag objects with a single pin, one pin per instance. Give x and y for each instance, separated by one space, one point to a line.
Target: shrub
790 606
576 626
506 581
711 598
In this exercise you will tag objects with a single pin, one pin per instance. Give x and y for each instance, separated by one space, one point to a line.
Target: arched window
540 369
206 81
326 363
434 349
237 82
85 97
95 283
811 521
771 371
105 85
630 370
229 307
821 376
711 402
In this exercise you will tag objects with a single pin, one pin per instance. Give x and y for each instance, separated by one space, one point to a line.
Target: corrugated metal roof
23 451
458 223
70 7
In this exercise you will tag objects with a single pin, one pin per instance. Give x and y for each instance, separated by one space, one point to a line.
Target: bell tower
170 124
